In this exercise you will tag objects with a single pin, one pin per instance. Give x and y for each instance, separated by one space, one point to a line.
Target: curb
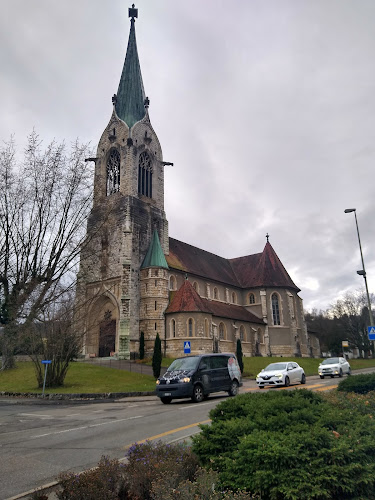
77 396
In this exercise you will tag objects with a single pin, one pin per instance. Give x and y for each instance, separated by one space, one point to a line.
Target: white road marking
193 406
34 415
85 427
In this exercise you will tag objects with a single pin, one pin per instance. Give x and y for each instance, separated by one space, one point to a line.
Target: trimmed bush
102 483
239 354
142 346
149 462
290 445
157 357
360 384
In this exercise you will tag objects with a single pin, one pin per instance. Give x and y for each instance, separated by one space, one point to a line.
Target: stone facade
117 297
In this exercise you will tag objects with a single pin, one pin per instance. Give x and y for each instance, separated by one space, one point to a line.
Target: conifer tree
142 346
157 357
239 354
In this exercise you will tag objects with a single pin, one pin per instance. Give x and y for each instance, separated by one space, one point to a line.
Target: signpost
45 362
187 347
371 332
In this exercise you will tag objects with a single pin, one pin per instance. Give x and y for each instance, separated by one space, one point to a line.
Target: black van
196 377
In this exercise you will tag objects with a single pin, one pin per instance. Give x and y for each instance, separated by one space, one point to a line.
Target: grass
252 366
81 378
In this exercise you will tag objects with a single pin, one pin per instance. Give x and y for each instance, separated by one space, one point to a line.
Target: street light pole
363 271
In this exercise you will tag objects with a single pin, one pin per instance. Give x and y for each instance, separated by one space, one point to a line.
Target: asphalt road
38 440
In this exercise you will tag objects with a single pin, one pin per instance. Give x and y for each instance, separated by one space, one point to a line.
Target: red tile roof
186 299
259 270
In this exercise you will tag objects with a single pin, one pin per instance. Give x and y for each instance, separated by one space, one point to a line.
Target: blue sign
371 332
187 347
46 361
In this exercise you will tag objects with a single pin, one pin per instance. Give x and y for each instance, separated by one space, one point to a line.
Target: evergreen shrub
239 354
290 445
360 384
157 357
142 346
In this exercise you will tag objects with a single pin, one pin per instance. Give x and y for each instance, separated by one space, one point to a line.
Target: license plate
167 394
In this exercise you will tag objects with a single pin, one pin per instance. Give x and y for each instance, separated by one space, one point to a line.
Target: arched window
275 309
196 287
145 175
173 328
113 172
190 327
216 294
221 331
242 333
172 283
251 298
234 298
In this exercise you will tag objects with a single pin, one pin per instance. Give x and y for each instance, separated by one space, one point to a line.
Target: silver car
332 367
284 373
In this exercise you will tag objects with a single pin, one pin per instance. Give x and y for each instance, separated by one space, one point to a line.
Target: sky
266 109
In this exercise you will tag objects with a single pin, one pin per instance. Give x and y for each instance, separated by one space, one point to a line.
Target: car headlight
185 380
279 375
157 382
258 375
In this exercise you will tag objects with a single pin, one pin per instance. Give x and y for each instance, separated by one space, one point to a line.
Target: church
134 278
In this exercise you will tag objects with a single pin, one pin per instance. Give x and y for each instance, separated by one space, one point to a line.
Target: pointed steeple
270 271
130 98
154 256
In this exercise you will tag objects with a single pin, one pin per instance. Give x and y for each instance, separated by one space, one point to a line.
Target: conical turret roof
130 98
155 255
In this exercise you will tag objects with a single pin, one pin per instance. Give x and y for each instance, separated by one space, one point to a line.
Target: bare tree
352 315
45 200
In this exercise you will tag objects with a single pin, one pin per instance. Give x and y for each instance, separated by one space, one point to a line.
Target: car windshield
330 361
189 363
275 366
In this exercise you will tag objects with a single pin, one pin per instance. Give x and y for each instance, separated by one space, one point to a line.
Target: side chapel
134 278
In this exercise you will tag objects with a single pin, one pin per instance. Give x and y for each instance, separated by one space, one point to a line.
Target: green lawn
252 366
81 378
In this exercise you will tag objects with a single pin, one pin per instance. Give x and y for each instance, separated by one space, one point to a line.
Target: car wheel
198 394
303 379
349 372
340 374
287 382
166 400
321 376
233 391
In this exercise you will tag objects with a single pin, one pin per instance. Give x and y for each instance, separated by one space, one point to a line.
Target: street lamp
362 272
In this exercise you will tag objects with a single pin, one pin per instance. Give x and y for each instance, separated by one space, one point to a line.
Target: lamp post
362 272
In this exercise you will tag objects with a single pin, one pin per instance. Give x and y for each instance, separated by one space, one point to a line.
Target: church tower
128 206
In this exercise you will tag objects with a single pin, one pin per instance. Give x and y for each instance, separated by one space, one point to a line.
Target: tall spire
130 99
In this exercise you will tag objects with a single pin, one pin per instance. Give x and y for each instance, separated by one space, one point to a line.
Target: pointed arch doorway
107 335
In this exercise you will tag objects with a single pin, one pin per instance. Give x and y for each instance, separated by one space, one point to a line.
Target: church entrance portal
107 336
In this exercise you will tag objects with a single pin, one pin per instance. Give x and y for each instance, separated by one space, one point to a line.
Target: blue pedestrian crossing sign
371 332
187 347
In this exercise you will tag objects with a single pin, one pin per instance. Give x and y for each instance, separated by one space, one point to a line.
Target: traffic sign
371 332
187 347
46 361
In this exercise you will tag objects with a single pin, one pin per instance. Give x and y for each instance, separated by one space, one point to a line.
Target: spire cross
133 12
267 236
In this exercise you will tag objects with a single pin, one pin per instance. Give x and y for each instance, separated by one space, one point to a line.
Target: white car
283 373
331 367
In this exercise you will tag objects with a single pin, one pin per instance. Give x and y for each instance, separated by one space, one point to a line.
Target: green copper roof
154 256
131 95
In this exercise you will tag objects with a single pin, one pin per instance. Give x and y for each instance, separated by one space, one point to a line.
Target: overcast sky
266 108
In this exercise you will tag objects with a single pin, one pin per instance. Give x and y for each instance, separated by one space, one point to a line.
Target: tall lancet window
145 175
113 172
275 309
